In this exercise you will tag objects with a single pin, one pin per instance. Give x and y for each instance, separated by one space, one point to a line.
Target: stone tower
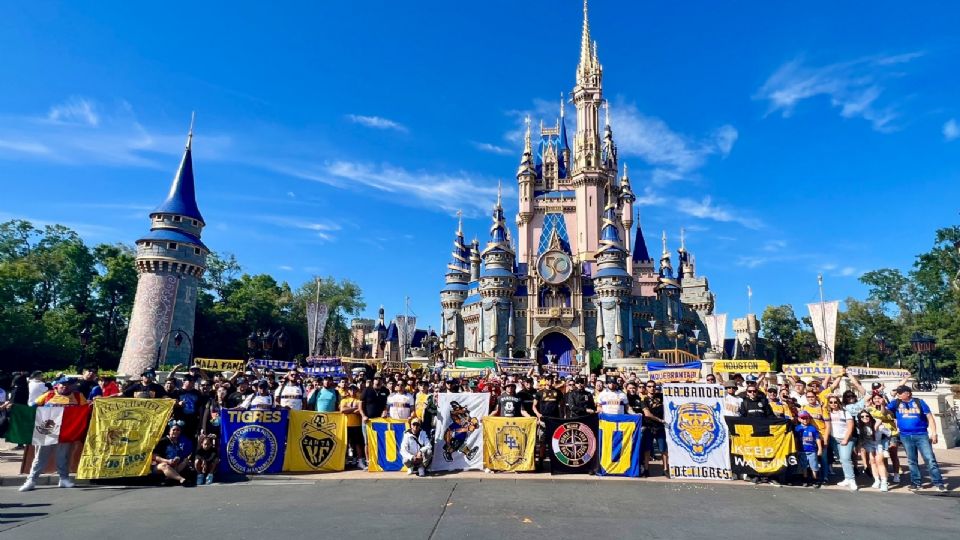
170 261
498 283
454 293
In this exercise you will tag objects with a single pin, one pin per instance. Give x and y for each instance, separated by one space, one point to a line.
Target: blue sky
340 138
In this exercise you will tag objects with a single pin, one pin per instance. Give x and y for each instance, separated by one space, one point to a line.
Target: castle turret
498 283
170 261
454 292
612 282
475 260
526 178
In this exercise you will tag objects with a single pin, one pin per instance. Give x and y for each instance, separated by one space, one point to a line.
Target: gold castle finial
193 116
460 222
585 41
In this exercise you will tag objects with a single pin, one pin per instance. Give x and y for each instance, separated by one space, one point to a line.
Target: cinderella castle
579 278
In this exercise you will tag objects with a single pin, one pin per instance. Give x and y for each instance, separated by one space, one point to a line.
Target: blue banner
660 366
253 442
286 365
620 449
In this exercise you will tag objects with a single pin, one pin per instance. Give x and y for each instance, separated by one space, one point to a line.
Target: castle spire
182 199
585 49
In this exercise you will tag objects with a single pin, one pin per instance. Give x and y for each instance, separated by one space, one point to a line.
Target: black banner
573 444
763 446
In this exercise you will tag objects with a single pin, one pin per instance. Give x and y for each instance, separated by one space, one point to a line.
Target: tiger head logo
697 428
252 450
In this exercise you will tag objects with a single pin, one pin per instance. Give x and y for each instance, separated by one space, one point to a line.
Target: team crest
318 440
511 441
697 428
574 444
251 449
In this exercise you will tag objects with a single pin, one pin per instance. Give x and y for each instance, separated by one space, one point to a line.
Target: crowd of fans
861 428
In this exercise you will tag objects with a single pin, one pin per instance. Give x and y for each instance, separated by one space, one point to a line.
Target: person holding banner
262 400
656 434
62 395
350 406
415 449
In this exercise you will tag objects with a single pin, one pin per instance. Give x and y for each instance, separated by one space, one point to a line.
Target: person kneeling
206 460
415 449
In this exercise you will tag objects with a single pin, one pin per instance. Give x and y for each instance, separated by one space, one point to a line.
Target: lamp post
264 341
84 341
676 335
178 335
927 374
609 349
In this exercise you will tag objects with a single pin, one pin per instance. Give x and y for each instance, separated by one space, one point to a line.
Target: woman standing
871 433
840 429
210 423
877 406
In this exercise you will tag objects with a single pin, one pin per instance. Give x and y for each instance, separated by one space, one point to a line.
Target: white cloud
847 271
376 122
75 110
706 209
774 245
27 147
285 267
320 229
951 130
492 148
855 87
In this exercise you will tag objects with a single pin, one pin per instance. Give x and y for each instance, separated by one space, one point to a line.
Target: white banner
697 435
717 330
316 322
459 436
406 326
824 319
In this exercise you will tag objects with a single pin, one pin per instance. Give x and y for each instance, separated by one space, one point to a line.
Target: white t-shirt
838 424
400 406
290 395
258 402
731 405
612 402
37 389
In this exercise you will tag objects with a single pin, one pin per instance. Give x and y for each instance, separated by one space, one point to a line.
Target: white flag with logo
458 443
46 427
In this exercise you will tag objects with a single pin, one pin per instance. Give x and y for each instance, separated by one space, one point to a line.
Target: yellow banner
813 370
508 443
122 435
316 442
878 372
741 366
674 375
384 436
213 364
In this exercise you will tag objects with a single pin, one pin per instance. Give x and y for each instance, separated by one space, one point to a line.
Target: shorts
813 462
653 441
869 446
355 435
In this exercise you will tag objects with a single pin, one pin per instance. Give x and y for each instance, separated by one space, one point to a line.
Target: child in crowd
207 459
812 443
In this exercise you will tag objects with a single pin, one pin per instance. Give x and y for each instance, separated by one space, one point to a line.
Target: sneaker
774 482
843 483
410 471
884 487
210 479
29 485
363 464
66 483
876 484
817 485
807 484
942 488
421 472
914 488
896 478
852 485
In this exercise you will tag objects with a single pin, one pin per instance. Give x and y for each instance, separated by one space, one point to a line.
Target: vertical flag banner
123 433
384 436
44 426
717 330
572 444
823 316
253 442
316 442
508 443
762 446
459 436
619 445
696 431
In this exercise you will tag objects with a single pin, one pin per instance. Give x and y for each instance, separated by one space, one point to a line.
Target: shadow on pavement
7 518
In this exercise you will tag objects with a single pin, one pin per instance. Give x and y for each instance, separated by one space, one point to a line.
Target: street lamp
178 335
264 341
927 374
609 348
84 341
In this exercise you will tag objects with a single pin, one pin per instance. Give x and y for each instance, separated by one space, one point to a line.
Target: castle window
176 219
146 244
196 251
172 245
194 222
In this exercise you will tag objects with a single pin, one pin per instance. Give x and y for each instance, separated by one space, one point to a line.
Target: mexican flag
44 426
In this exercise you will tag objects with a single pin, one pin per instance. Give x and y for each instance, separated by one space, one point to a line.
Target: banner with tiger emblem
253 442
697 435
508 443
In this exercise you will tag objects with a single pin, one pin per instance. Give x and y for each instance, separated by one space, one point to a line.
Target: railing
554 313
676 356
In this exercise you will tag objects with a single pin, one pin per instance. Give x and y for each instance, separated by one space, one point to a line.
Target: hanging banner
316 442
741 366
384 436
696 432
253 442
123 433
620 447
508 443
283 365
214 364
823 316
317 315
717 330
572 444
813 370
762 446
674 371
459 435
892 373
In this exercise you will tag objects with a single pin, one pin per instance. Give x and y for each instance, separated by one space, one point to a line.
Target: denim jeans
912 444
826 461
845 453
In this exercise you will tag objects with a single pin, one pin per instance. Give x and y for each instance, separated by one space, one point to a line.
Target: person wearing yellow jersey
815 408
877 406
350 407
778 407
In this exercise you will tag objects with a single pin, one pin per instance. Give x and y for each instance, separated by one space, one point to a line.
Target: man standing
399 403
290 392
656 435
918 433
87 381
508 404
754 404
612 400
62 395
579 402
189 407
328 399
731 403
634 401
146 388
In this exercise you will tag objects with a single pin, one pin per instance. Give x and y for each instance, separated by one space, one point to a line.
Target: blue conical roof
182 199
640 252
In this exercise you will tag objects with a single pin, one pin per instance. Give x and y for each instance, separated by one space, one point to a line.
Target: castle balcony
563 313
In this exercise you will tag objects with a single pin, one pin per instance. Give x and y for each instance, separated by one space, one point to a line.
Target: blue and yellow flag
384 436
509 443
619 445
316 442
253 442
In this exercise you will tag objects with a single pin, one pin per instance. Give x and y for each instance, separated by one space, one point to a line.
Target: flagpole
823 319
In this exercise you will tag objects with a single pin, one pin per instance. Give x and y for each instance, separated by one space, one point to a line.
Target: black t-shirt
138 390
635 403
374 401
548 402
655 404
193 404
526 399
85 386
510 406
235 399
578 402
207 454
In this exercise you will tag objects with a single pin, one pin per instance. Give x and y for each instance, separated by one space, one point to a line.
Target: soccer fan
171 457
578 401
812 443
918 434
840 430
62 395
508 404
656 435
261 400
731 403
210 421
871 433
415 449
399 403
326 398
290 393
146 387
634 401
818 417
189 406
350 406
754 404
612 400
877 407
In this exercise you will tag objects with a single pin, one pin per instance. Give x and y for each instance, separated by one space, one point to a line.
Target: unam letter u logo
388 450
697 428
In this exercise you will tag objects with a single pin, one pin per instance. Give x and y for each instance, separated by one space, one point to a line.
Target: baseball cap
149 373
875 385
903 388
65 380
730 384
804 414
